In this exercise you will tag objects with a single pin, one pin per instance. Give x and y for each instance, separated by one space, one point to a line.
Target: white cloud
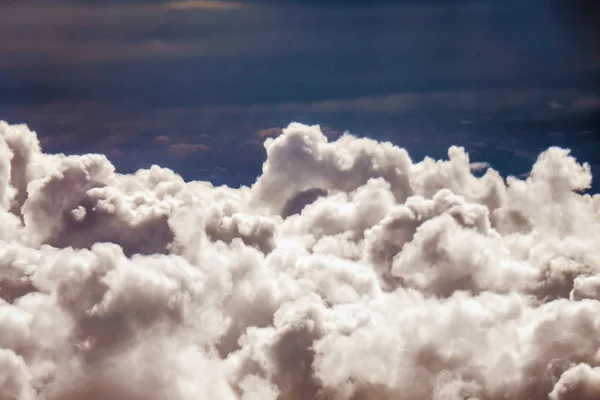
345 271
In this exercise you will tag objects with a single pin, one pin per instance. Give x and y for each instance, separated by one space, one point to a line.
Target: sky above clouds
503 78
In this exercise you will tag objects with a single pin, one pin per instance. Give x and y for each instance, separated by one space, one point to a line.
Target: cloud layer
346 271
204 5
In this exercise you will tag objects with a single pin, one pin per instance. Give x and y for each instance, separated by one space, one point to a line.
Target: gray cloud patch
346 271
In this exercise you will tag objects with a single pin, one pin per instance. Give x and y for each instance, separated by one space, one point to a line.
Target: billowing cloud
346 271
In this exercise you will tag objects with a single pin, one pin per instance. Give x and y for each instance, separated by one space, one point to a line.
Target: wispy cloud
76 33
554 105
73 52
204 5
269 132
410 102
588 102
162 139
184 149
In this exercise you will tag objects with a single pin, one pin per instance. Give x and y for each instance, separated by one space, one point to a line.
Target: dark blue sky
195 85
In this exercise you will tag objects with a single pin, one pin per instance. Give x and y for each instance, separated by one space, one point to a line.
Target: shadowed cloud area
345 271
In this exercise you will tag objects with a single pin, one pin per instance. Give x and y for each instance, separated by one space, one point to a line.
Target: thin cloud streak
205 5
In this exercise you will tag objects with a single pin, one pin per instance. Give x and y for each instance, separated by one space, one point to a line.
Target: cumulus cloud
346 271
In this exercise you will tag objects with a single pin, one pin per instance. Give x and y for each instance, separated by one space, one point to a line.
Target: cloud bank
346 271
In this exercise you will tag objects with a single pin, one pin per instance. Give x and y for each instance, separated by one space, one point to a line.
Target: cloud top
346 271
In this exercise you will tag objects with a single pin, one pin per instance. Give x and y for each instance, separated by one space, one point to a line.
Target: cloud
346 271
276 131
75 34
588 103
221 5
482 100
184 149
162 139
73 52
478 166
554 105
264 133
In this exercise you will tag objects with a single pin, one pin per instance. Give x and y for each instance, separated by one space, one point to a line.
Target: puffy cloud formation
346 271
